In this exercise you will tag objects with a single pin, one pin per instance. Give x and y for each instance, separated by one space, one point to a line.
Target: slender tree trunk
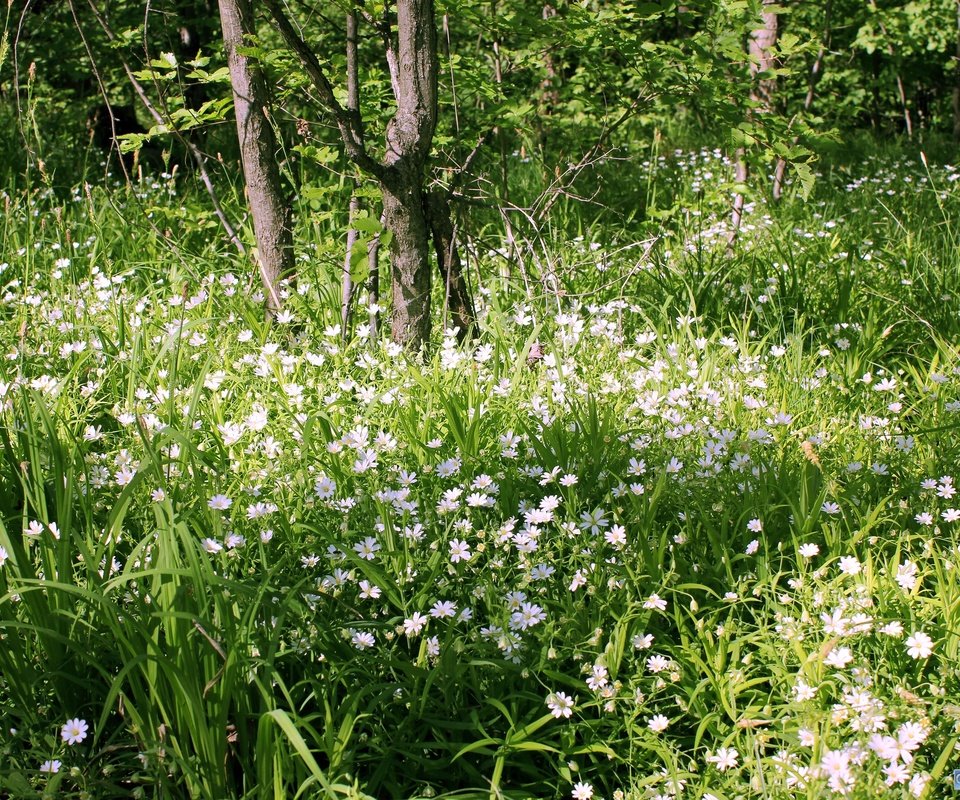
762 42
373 283
258 146
813 78
353 106
904 107
762 61
741 172
346 280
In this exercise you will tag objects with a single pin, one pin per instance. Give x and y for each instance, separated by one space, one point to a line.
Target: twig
198 157
348 121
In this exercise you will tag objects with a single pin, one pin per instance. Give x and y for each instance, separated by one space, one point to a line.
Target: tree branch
198 158
348 121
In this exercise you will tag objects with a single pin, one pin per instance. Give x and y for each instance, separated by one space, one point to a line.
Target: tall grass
671 526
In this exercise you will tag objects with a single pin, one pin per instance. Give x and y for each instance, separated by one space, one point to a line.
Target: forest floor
680 522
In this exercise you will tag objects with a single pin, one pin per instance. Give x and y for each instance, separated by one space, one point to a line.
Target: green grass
703 507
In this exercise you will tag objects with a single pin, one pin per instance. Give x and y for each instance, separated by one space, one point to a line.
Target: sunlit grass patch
690 532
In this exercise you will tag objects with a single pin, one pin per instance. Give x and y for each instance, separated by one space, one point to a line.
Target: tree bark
411 56
258 146
409 260
409 138
456 293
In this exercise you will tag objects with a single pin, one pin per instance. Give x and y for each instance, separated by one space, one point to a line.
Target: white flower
369 591
530 614
755 526
459 551
809 550
725 758
803 691
658 663
850 565
52 766
560 704
594 521
616 536
74 731
894 628
919 645
907 576
839 657
362 639
443 609
896 773
367 549
654 601
415 624
644 642
918 784
658 723
220 502
582 791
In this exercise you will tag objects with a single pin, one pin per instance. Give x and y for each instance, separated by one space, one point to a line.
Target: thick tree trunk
409 138
271 219
409 261
456 293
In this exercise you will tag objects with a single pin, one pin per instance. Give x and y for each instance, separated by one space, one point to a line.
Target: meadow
681 522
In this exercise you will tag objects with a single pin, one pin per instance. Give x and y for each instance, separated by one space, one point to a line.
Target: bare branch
348 121
114 144
195 153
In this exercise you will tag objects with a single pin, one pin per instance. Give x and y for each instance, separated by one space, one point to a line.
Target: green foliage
220 535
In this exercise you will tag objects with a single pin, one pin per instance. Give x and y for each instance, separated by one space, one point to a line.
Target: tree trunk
456 293
409 261
813 78
409 138
271 216
411 56
353 106
373 283
346 280
762 42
